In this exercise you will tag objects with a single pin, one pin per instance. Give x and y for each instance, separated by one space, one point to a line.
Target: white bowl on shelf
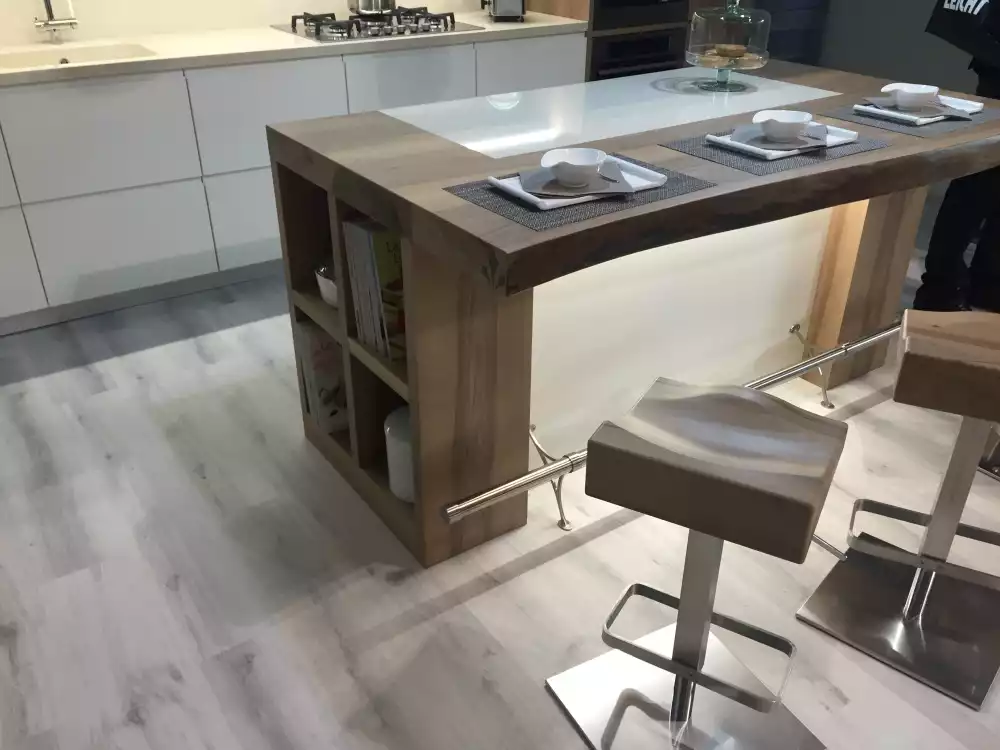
910 96
783 125
327 287
574 167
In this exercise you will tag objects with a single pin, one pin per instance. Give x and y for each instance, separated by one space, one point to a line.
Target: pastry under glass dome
728 39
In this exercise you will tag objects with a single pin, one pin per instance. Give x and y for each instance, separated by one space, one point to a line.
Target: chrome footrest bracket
877 548
756 701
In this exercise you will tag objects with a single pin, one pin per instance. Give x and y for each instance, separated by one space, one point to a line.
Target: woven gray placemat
703 150
924 131
486 196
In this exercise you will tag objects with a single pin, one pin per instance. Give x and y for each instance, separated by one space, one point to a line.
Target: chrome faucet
54 25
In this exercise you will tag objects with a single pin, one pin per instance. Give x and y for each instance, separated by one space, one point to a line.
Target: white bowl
574 167
783 125
327 287
912 95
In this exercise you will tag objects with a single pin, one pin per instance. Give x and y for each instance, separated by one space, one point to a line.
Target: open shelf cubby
465 410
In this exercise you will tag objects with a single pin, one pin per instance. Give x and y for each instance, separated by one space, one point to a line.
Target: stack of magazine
375 267
323 376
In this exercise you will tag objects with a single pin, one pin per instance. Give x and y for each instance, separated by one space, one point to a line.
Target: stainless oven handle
642 68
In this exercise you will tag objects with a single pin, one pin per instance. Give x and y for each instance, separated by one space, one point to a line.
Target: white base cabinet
523 64
92 135
8 190
244 217
233 105
101 244
400 79
20 285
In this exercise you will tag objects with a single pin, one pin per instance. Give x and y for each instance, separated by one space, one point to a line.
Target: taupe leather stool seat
733 463
951 362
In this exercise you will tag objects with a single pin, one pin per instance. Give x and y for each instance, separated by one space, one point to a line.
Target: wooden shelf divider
322 314
393 374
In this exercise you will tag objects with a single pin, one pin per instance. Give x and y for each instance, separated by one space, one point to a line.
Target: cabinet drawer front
95 245
233 105
93 135
8 191
244 217
523 64
20 285
400 79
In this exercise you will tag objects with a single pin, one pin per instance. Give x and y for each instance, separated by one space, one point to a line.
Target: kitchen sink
67 55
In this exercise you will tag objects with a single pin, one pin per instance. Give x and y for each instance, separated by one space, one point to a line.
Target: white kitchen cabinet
20 285
8 191
400 79
91 135
100 244
244 217
522 64
233 105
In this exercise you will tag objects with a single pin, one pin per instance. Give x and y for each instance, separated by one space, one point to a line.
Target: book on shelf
375 266
323 376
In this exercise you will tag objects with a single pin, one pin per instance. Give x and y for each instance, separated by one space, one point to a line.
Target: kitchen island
506 324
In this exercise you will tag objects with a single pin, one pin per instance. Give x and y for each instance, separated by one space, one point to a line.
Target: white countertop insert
511 124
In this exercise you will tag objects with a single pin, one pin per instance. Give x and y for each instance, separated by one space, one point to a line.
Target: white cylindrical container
399 452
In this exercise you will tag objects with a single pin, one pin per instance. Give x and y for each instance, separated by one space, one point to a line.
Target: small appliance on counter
505 10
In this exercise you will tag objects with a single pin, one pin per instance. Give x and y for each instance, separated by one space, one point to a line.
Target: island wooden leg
862 274
469 365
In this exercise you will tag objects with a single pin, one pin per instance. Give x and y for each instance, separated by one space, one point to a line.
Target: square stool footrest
878 548
750 699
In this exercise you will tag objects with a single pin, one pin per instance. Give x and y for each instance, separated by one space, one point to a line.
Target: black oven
630 53
617 14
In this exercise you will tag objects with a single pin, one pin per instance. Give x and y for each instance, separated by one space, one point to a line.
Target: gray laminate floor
178 569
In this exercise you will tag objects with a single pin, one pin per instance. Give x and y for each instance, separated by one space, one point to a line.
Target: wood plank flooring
180 569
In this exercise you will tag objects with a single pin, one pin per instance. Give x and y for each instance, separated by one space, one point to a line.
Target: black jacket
991 22
974 27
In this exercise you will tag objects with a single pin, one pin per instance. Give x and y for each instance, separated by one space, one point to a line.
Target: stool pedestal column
952 496
694 616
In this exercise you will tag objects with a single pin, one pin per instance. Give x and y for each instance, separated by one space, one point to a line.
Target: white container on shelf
399 453
327 286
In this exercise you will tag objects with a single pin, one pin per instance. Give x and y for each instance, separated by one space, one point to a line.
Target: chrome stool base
954 646
598 694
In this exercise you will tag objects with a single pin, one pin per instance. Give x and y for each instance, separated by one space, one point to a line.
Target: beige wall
116 18
886 38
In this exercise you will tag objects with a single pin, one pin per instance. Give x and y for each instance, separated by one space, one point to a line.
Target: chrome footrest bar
571 462
878 548
757 702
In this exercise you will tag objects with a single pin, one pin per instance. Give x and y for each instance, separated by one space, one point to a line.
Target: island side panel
469 365
862 274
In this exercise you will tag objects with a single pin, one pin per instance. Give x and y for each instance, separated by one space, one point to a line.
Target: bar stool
936 621
732 465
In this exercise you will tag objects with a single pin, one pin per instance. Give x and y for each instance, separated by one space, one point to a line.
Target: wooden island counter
469 274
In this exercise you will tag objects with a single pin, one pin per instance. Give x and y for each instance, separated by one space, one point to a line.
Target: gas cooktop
325 27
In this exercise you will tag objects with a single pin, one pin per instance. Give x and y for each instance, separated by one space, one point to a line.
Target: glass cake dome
728 39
